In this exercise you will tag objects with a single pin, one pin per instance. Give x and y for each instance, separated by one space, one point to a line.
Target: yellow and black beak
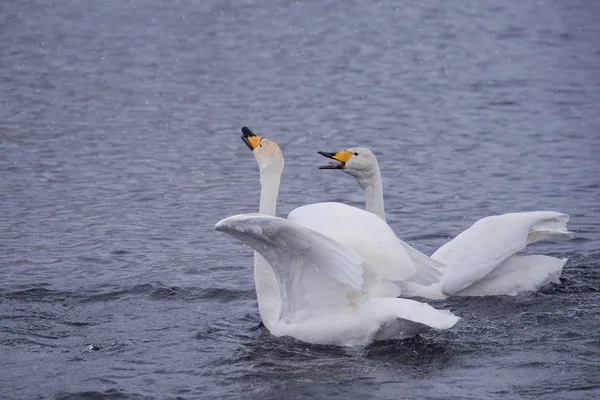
251 140
341 156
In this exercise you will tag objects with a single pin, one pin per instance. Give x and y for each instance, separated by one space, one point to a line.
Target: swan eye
355 154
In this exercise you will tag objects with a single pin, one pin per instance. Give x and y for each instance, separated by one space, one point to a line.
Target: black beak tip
247 132
326 154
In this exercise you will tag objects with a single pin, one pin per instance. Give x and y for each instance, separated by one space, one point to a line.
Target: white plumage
322 286
321 290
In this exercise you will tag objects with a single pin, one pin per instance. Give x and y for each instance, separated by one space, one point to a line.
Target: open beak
251 140
340 159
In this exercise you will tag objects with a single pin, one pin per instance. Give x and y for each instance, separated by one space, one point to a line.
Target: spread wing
316 274
489 242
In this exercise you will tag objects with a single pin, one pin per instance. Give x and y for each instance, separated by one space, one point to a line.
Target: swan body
322 286
482 260
518 274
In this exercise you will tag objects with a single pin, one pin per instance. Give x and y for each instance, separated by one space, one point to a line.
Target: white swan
396 262
480 261
299 264
322 286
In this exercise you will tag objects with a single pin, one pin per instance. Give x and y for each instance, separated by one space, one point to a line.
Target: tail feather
405 318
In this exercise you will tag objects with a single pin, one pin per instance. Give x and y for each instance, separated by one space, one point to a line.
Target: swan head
356 161
266 152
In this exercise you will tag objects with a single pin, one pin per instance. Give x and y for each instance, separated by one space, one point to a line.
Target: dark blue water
120 150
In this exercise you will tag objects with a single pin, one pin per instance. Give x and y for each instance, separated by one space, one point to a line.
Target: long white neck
265 280
270 177
372 187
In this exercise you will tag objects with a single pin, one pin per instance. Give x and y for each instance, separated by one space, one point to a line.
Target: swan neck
372 187
270 178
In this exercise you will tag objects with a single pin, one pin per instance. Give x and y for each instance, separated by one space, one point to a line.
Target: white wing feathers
492 240
427 269
548 225
371 238
315 273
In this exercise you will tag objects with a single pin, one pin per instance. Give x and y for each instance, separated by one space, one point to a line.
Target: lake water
120 150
